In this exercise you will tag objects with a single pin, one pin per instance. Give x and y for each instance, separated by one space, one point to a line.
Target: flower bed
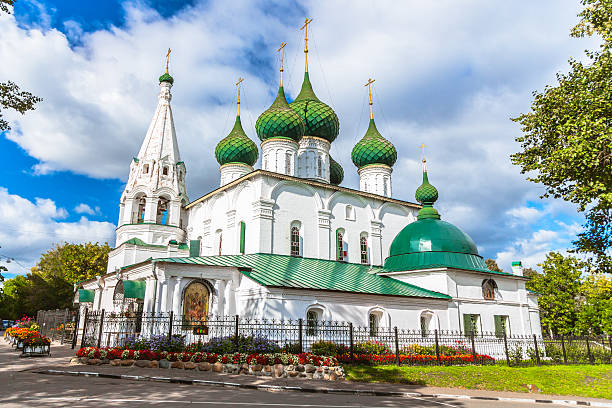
29 340
415 359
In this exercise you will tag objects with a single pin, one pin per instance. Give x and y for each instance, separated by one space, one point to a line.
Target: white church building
288 241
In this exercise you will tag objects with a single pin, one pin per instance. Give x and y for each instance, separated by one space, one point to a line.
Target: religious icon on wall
195 303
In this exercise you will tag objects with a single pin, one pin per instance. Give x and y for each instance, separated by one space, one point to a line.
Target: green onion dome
280 121
336 174
430 242
237 147
166 78
320 120
373 148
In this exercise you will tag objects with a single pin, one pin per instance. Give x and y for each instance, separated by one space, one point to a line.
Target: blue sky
447 75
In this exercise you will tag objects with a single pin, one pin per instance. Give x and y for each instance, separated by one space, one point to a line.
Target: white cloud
29 228
448 74
86 209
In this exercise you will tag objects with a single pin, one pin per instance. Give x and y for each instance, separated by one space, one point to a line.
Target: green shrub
371 347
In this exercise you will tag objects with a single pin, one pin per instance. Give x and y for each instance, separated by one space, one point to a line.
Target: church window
162 211
489 287
196 300
265 162
288 163
502 325
363 246
374 323
341 253
295 240
313 317
350 212
385 187
319 166
471 324
140 215
145 169
118 295
165 171
219 240
242 236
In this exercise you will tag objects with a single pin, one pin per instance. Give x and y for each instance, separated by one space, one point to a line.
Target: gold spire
369 85
281 57
305 28
422 146
168 59
238 84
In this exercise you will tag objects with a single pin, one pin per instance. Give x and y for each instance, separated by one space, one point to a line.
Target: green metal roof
309 273
280 121
140 242
236 147
336 173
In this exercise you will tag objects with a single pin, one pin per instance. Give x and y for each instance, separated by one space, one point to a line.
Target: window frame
294 240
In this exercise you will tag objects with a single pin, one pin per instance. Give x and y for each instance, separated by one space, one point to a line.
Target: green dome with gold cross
280 121
236 147
373 148
319 119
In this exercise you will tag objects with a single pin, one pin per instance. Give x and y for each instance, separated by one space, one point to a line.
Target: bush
241 344
371 347
328 348
292 348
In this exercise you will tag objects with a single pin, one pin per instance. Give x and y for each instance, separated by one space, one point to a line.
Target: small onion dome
320 120
430 242
166 78
280 121
237 147
373 148
336 174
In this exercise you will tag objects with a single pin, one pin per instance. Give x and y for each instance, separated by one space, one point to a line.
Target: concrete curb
189 381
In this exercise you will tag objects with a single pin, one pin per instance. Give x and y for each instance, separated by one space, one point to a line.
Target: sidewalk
10 360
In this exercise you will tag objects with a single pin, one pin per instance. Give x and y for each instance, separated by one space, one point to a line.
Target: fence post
76 330
589 350
300 340
397 355
437 346
563 349
236 320
84 327
351 348
170 325
535 343
506 348
101 327
473 347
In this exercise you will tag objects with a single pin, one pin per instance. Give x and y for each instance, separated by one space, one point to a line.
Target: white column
149 295
164 296
231 298
151 209
158 296
221 287
176 300
215 302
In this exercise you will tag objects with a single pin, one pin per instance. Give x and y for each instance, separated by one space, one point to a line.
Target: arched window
118 294
341 253
363 247
145 169
219 240
295 240
165 171
374 319
140 212
428 323
313 319
196 301
489 287
162 211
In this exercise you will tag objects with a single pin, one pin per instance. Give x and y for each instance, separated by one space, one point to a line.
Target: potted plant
36 345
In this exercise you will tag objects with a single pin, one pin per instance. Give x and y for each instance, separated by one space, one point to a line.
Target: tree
2 269
492 265
567 136
529 273
11 97
74 262
559 287
595 315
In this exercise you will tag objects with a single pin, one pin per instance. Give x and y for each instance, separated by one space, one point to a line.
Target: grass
578 380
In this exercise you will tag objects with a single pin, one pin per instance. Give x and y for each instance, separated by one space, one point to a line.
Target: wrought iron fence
102 329
57 324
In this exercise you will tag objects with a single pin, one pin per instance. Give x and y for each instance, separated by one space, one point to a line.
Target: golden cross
281 58
305 28
238 84
168 59
422 146
369 85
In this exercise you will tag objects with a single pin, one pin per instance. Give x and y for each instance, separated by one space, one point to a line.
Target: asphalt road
26 389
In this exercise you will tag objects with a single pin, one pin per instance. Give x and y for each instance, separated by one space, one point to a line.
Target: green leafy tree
567 136
529 273
74 262
595 315
559 286
13 304
492 265
11 97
